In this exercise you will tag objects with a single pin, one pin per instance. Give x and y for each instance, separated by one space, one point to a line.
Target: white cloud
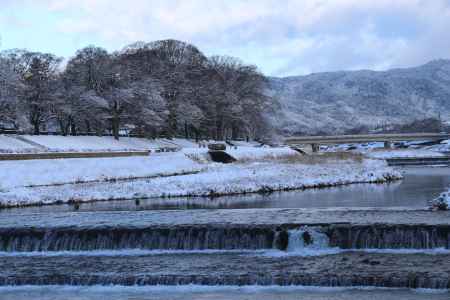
282 37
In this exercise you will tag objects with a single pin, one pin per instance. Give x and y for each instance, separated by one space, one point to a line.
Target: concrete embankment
59 155
419 161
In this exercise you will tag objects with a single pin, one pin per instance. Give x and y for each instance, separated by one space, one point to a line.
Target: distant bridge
315 141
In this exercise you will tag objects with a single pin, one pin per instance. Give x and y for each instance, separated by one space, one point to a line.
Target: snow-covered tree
238 97
165 86
9 91
38 74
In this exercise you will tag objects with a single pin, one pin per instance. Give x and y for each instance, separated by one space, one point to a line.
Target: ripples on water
216 293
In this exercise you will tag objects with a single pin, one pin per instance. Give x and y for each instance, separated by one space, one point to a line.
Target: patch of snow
9 144
182 143
442 202
59 171
402 153
255 153
56 143
243 153
444 146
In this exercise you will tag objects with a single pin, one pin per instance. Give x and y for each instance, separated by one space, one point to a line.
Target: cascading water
298 239
308 241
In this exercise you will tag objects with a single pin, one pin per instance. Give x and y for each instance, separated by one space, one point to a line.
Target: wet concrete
237 217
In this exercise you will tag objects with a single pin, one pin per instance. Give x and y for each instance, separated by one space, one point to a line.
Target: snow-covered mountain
337 101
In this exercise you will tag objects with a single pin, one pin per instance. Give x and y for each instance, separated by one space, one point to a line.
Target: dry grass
311 159
314 159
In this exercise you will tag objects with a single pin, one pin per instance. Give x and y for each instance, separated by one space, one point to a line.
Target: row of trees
165 87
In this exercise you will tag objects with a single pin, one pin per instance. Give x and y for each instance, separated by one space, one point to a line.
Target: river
107 274
420 184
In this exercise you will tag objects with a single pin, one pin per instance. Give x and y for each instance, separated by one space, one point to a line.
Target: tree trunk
62 127
37 130
73 127
186 130
196 135
115 127
234 132
88 125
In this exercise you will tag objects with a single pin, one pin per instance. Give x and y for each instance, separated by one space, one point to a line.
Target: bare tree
165 86
238 97
9 92
38 74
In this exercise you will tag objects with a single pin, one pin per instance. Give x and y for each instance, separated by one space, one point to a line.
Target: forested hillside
336 102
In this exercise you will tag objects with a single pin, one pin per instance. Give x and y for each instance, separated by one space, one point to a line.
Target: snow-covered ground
281 173
55 143
377 150
10 145
402 153
244 153
59 171
252 153
188 172
444 146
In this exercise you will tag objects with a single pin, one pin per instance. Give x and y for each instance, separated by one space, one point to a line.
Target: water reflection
418 186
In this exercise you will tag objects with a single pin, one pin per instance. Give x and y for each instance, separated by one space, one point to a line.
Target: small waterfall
243 237
389 236
177 238
307 239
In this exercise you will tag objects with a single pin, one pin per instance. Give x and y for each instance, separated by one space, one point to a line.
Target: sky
281 37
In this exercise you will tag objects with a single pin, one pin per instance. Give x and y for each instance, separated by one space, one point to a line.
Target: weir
284 237
269 247
347 269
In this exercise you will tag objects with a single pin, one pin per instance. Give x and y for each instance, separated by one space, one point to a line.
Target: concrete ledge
291 217
59 155
341 270
411 161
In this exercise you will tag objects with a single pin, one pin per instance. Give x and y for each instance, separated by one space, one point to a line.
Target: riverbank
181 174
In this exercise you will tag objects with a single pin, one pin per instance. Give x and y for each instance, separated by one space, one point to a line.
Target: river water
420 184
216 293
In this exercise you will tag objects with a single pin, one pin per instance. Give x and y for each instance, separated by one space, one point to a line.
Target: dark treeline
166 87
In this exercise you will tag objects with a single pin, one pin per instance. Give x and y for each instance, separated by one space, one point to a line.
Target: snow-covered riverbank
85 179
79 170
